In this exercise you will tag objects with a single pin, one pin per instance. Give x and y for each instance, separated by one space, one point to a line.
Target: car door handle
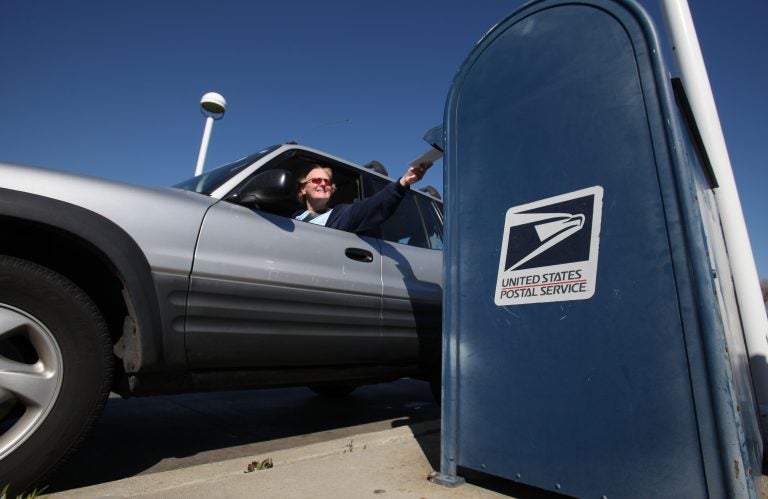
359 254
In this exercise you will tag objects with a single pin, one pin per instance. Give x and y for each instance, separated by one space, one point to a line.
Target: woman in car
362 217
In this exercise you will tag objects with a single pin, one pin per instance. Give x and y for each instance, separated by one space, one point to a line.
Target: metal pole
204 145
693 73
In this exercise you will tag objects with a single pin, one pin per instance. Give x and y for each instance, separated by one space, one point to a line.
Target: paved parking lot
144 436
152 434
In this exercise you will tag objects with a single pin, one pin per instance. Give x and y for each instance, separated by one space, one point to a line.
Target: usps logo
549 249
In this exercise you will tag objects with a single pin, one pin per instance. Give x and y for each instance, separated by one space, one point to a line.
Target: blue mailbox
590 347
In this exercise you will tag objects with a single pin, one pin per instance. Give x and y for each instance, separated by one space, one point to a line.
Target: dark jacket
365 216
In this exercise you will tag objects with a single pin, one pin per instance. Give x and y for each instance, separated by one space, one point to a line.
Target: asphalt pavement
147 435
382 441
394 463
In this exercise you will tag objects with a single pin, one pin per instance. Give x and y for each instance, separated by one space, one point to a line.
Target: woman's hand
414 174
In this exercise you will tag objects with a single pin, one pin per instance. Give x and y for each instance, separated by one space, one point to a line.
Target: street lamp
212 105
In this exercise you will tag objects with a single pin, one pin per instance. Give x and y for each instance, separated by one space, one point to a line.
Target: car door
269 291
412 275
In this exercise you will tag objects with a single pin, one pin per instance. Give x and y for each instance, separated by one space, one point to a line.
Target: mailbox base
449 481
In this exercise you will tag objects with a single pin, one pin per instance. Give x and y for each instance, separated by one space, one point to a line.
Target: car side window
347 182
433 217
417 222
405 226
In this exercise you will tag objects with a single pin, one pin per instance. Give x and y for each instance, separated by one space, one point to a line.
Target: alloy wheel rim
32 386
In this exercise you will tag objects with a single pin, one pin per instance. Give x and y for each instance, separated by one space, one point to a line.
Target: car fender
106 240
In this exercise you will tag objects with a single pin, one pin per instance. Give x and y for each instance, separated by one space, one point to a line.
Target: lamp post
693 74
212 105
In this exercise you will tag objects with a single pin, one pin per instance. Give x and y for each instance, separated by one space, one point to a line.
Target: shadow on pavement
152 434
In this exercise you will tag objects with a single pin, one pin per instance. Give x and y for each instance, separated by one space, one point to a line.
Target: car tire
55 370
333 391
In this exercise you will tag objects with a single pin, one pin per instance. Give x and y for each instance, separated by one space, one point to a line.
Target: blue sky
112 88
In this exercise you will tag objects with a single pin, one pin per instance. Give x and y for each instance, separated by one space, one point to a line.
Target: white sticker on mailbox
549 249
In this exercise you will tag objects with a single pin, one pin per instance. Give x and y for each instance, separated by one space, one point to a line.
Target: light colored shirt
318 220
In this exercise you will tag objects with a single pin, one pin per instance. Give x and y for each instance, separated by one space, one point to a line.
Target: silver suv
209 285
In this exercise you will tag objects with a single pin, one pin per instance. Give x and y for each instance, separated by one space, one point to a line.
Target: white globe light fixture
213 106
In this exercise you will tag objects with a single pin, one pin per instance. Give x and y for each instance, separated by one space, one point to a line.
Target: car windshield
209 181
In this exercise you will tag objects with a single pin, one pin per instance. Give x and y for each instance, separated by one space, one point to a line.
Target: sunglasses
319 181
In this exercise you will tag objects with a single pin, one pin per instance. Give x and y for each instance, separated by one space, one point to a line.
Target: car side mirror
269 187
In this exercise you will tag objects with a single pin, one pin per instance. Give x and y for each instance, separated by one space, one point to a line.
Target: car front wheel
55 370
